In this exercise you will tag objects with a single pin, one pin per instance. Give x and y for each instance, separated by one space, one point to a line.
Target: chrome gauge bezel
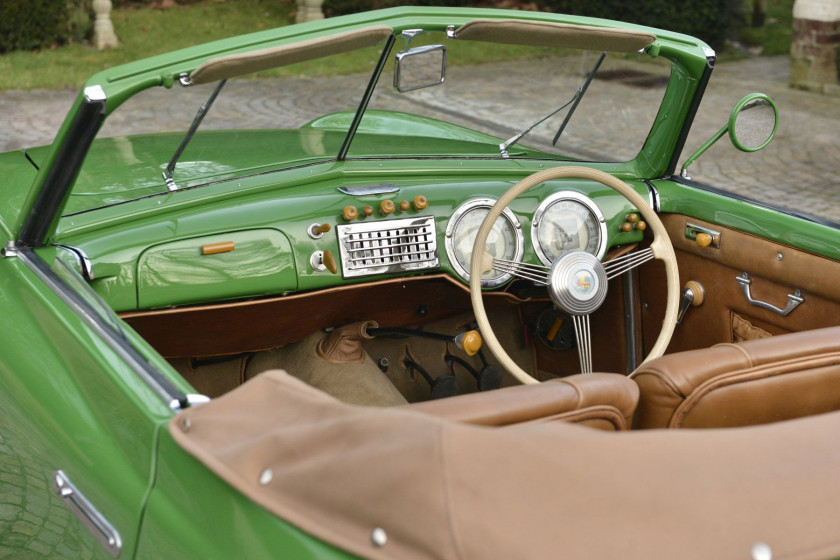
560 196
458 215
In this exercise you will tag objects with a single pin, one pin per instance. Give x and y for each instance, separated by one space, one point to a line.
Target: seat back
752 382
599 400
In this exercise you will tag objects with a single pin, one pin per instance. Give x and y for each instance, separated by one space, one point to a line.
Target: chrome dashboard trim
362 190
388 246
459 213
577 197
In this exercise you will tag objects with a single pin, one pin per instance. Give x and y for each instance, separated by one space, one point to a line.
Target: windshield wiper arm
578 97
199 116
514 139
503 147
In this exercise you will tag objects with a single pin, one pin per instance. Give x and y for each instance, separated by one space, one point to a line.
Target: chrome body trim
100 528
84 261
653 195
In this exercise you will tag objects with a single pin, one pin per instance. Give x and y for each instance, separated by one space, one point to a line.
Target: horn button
578 283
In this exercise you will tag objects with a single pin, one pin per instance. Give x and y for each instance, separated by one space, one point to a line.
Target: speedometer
568 221
505 240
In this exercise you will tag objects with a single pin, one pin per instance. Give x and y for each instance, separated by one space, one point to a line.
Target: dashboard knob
350 213
633 218
387 207
329 262
626 226
367 210
420 202
404 206
704 239
641 225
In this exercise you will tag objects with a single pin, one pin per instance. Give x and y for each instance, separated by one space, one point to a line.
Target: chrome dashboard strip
362 190
100 528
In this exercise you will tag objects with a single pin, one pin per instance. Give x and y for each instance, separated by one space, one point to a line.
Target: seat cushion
599 400
752 382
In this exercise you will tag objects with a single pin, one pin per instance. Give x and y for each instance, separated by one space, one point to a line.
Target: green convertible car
414 283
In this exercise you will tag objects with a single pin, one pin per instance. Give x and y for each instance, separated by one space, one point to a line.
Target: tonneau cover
447 490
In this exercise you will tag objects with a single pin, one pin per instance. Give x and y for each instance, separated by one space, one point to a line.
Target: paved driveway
798 170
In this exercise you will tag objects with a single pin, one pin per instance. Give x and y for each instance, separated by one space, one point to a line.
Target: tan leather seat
754 382
599 400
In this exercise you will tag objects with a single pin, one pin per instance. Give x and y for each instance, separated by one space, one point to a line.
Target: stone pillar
103 29
309 10
814 48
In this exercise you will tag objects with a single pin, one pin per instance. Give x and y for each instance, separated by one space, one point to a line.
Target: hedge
711 20
38 24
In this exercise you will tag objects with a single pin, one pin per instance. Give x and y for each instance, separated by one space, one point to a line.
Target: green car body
82 393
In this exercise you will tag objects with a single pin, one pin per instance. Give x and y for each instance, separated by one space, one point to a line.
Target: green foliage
43 23
713 21
333 8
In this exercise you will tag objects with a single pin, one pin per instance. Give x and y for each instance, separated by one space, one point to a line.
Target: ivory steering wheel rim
661 249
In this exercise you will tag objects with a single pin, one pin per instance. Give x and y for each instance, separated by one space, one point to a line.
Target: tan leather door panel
775 270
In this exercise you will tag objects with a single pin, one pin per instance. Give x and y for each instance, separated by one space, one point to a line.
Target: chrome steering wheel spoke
584 342
534 272
627 262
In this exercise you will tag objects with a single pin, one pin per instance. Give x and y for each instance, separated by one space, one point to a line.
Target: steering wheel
576 281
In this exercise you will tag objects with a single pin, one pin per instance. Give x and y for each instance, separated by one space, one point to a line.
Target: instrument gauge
568 221
505 240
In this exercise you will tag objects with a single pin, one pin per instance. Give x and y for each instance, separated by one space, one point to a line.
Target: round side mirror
753 122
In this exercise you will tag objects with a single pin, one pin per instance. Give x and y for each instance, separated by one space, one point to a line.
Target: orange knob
469 342
641 225
420 202
404 206
329 262
626 226
321 229
350 213
387 207
703 239
367 210
633 218
216 248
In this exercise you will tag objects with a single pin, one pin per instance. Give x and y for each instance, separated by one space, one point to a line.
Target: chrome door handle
794 299
90 517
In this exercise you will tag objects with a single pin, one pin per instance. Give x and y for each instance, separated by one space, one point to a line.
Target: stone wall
814 48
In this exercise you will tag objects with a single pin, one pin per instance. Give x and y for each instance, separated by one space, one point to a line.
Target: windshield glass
494 93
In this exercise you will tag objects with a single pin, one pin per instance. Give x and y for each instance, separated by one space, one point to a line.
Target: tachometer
568 221
504 242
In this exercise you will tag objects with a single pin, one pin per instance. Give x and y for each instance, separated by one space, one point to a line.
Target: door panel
776 270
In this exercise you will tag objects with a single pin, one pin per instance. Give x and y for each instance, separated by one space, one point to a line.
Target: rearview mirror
752 124
420 67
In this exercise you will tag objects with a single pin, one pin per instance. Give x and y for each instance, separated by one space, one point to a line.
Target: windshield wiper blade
199 116
578 96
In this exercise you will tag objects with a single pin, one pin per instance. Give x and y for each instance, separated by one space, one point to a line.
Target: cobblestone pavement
798 169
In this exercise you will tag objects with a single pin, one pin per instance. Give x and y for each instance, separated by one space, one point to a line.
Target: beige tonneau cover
440 489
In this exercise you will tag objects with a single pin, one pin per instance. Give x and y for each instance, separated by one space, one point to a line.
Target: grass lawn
142 32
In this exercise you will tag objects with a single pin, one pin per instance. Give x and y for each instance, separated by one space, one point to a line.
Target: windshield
515 96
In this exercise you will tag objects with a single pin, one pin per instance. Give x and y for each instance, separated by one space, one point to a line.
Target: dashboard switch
405 206
420 202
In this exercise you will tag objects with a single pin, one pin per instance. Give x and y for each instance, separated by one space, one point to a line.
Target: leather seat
599 400
753 382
